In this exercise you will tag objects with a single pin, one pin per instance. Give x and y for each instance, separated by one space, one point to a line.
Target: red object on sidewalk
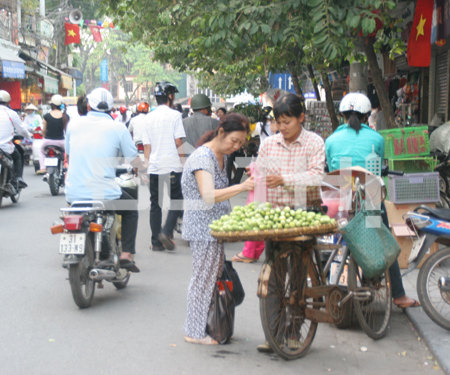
14 90
419 43
72 33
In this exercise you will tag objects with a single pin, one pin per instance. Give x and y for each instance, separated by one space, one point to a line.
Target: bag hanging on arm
374 249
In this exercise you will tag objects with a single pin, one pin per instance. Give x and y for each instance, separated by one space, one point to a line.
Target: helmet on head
100 100
200 101
57 100
356 102
143 107
122 109
4 96
165 88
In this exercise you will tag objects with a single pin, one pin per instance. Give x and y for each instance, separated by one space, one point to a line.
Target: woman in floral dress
206 195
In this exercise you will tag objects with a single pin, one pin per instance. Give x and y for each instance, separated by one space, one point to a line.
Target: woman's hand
274 181
248 172
248 184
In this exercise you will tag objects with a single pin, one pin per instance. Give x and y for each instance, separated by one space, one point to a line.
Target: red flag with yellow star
72 33
419 43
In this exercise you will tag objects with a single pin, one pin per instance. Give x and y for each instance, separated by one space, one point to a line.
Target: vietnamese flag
419 43
95 30
72 33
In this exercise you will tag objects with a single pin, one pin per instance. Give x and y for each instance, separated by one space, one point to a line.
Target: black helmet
165 88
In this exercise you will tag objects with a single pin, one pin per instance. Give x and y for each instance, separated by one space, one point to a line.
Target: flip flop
406 305
238 258
207 340
129 265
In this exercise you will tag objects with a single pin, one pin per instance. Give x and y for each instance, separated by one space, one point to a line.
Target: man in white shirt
137 123
162 140
10 121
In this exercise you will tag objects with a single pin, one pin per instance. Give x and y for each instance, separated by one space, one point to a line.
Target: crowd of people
190 156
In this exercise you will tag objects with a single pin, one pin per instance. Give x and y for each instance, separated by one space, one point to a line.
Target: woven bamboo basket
272 234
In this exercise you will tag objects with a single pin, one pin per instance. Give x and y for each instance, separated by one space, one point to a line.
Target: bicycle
295 297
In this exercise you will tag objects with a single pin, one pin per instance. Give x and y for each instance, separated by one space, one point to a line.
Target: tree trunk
329 99
297 88
311 76
377 79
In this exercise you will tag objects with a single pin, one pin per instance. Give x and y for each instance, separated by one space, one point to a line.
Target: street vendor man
292 162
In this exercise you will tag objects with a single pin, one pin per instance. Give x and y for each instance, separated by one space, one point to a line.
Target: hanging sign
11 69
104 71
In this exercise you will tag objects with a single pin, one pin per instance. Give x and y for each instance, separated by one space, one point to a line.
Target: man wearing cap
200 122
10 122
93 144
32 119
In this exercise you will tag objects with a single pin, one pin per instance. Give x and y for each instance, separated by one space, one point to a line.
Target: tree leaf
319 27
266 29
354 21
320 39
254 29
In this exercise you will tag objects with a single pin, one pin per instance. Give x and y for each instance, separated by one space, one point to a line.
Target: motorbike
27 147
427 226
91 244
9 186
54 162
36 146
140 147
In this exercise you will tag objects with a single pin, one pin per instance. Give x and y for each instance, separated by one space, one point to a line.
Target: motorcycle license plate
417 245
72 243
51 162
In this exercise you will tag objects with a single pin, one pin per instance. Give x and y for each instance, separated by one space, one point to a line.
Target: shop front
12 72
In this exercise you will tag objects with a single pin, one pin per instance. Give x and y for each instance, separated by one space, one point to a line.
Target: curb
436 338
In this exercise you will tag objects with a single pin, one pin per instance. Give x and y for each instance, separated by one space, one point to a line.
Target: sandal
207 340
238 258
414 303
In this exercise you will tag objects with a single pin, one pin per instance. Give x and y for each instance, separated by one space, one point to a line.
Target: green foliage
253 112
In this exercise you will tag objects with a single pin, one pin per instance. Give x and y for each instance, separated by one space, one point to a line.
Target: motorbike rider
124 117
200 122
355 141
93 145
32 119
10 121
137 123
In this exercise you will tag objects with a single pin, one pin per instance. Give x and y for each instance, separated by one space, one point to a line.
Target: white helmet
57 100
4 96
100 100
355 101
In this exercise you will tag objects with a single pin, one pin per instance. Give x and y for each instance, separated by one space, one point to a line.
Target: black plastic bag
229 273
220 324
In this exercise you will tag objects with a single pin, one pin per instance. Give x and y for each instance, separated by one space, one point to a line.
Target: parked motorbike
9 186
429 225
444 178
54 163
91 245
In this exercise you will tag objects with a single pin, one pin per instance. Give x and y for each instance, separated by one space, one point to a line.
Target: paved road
139 330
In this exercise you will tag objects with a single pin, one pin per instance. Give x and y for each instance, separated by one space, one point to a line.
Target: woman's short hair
289 105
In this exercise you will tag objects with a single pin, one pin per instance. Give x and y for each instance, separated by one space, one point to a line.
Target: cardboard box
401 232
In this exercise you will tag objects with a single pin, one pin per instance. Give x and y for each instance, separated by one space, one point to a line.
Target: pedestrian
93 145
221 112
206 193
53 129
82 105
32 119
163 147
200 122
356 140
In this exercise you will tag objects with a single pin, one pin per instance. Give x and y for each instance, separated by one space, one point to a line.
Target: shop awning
12 65
50 83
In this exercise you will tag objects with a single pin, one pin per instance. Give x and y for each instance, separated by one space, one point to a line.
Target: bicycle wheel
282 310
434 298
373 311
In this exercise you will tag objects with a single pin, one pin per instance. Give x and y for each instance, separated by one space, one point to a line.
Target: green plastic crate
413 165
406 142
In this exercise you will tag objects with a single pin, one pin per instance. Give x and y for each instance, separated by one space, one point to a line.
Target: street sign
104 71
282 81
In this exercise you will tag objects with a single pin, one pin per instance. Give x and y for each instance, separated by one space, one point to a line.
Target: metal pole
42 7
19 14
74 87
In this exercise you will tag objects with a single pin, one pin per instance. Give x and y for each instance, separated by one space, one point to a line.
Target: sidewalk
436 338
